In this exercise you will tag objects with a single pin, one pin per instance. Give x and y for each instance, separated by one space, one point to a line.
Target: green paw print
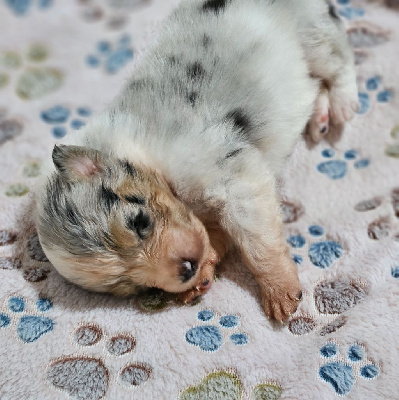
227 386
392 150
34 81
10 128
153 300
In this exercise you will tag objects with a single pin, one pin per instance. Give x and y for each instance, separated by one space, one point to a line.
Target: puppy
183 163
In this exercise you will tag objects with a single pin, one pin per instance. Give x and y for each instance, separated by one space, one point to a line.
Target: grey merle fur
140 223
215 6
195 70
240 120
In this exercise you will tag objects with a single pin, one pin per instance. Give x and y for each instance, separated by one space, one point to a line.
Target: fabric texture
63 61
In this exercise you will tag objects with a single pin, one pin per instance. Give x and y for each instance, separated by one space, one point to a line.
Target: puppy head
111 226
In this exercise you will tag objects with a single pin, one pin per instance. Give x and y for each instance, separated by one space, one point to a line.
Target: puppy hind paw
344 104
319 122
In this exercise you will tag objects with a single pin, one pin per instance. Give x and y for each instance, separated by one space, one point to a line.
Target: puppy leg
252 219
330 58
319 122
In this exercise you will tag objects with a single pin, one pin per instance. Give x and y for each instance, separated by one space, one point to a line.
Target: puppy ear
75 163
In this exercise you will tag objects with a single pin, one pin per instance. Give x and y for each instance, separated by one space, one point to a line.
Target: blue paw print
113 56
337 169
373 85
395 272
345 10
210 337
30 327
341 374
22 7
59 115
322 254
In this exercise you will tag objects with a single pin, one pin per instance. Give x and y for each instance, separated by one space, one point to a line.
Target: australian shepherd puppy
183 163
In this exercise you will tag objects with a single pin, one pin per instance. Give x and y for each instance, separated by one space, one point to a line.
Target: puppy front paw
204 283
281 295
189 297
280 302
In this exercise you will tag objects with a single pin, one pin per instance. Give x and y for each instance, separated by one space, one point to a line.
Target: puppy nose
188 268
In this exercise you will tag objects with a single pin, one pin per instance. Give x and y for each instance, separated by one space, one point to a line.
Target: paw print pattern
36 265
395 272
335 297
29 327
392 149
59 115
114 12
340 374
22 7
112 56
345 10
364 35
226 385
10 128
34 81
338 169
385 226
373 85
32 169
88 377
322 253
291 211
16 190
209 338
8 238
330 298
154 299
302 325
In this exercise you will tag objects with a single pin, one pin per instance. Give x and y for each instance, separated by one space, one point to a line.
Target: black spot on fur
135 200
215 6
206 40
333 12
195 70
233 153
129 169
108 197
140 223
240 121
192 98
137 84
173 60
71 214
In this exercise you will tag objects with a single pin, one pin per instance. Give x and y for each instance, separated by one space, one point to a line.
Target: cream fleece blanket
60 62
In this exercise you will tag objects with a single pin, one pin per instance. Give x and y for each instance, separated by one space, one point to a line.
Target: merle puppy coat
183 163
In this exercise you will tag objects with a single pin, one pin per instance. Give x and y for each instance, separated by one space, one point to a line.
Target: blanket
62 62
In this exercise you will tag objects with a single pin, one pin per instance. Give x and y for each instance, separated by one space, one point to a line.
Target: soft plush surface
61 61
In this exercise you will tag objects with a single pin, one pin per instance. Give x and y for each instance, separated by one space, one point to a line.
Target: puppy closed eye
188 268
140 223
